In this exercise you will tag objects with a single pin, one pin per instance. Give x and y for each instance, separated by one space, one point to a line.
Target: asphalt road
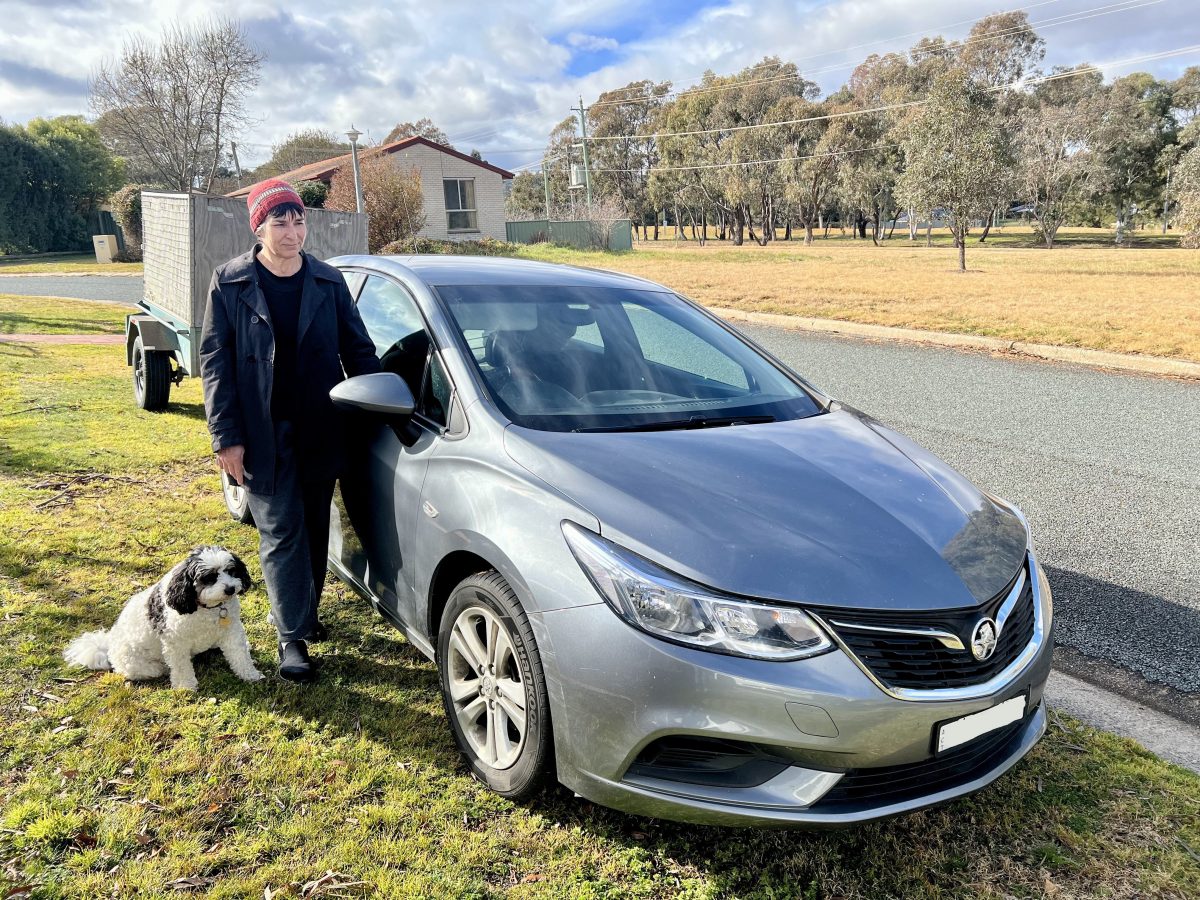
108 288
1106 467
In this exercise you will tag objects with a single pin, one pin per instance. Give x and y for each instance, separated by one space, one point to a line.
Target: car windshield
613 359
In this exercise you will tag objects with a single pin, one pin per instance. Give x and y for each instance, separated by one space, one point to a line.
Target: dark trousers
293 538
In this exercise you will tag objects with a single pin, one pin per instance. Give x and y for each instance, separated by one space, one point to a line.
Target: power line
886 40
1099 67
1032 81
1065 19
753 162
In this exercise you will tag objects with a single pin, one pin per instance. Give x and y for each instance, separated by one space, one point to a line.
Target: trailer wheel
235 500
151 377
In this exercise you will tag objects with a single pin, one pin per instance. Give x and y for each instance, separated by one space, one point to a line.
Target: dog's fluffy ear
181 592
239 571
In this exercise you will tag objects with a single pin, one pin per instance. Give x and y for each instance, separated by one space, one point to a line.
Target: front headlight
669 606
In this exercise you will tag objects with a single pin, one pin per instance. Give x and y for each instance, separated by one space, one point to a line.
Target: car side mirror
380 393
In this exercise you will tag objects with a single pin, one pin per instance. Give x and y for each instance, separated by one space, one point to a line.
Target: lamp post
354 134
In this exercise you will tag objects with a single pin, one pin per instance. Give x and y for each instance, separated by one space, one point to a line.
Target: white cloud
591 41
496 75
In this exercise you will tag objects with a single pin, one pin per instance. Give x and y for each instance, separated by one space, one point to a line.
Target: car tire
151 377
493 687
236 500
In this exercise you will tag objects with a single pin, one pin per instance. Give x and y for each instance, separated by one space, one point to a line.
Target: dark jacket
237 350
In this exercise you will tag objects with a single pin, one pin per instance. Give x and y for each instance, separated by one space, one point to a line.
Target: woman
279 329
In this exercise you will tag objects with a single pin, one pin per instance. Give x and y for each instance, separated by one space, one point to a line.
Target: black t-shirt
283 305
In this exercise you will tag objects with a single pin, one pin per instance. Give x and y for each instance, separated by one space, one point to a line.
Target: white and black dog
193 608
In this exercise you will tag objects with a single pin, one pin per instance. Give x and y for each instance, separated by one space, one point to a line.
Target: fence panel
578 234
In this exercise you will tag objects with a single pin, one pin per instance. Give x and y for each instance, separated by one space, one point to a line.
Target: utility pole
587 174
237 166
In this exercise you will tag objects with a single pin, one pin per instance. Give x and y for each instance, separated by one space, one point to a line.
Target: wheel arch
155 334
478 555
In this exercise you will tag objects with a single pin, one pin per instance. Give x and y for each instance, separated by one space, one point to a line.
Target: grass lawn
80 263
1083 294
53 315
108 789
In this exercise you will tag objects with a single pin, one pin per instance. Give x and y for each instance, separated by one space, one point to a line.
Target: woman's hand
230 460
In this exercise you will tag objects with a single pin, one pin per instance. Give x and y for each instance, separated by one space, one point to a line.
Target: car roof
435 270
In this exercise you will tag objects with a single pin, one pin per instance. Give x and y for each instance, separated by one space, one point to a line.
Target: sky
497 76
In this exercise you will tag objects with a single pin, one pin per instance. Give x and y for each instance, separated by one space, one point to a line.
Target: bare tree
171 106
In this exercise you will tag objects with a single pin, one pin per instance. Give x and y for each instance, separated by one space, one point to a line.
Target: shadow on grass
17 350
16 323
190 410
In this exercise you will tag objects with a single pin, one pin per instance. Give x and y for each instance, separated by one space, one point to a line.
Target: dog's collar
223 607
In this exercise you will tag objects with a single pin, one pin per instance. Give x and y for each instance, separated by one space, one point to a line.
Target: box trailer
185 237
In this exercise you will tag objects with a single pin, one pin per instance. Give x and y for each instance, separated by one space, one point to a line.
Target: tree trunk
860 225
808 232
821 222
739 225
929 231
912 225
787 229
987 226
962 252
892 230
875 224
703 226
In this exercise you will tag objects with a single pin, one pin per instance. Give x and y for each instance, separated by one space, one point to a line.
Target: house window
460 204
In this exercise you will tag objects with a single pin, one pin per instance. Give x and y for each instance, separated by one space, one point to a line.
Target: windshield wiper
682 424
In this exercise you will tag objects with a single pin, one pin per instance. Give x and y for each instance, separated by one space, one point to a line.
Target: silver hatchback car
654 563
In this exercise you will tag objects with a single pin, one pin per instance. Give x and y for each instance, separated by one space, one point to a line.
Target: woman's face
283 238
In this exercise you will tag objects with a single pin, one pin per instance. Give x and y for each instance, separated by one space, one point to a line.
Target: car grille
896 784
919 662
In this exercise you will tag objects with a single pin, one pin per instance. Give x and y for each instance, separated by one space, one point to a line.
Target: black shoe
319 632
294 664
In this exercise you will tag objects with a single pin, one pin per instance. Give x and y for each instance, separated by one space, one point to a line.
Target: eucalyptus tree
622 123
954 154
1057 166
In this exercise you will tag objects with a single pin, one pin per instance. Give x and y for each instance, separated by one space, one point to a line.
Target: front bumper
617 691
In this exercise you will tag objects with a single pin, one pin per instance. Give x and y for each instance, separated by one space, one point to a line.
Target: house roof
323 170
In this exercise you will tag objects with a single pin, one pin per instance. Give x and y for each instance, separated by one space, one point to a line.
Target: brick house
464 196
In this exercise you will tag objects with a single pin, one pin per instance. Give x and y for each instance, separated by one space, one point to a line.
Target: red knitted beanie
265 196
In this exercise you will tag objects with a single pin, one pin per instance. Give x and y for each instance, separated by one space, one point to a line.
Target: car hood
834 510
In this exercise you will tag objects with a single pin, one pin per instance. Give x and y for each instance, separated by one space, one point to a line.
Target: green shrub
313 193
485 247
127 210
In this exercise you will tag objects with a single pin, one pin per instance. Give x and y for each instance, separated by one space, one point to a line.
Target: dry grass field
1086 293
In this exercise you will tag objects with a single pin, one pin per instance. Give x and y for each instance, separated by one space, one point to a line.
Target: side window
398 332
435 400
396 328
354 281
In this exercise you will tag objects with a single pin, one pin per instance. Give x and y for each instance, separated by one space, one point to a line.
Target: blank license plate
952 734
